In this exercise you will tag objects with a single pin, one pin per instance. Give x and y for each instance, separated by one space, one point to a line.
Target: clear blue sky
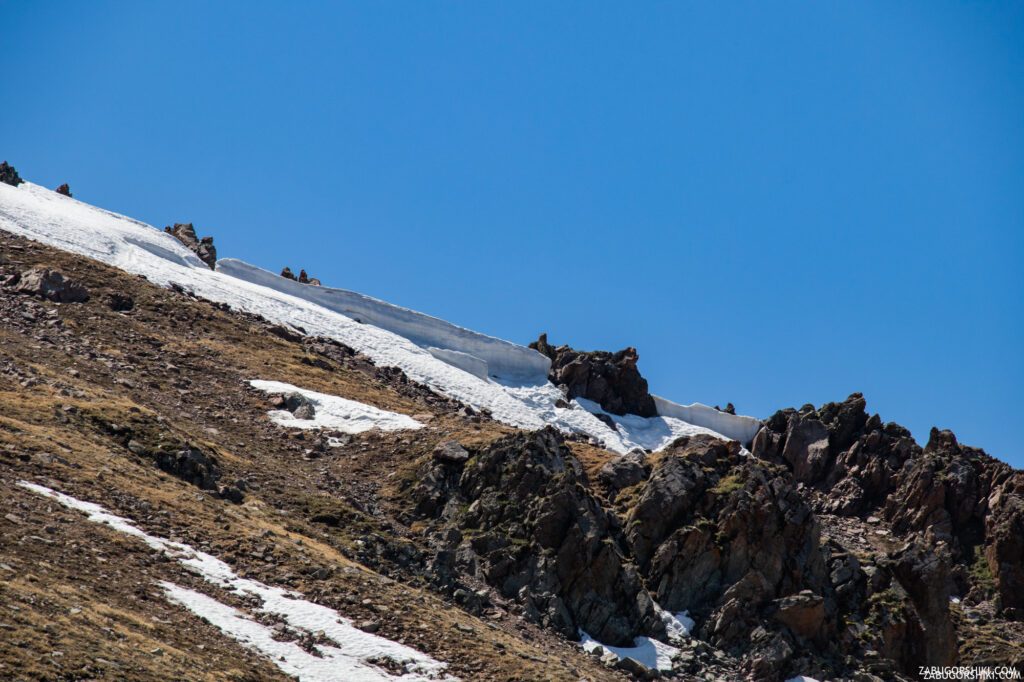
777 203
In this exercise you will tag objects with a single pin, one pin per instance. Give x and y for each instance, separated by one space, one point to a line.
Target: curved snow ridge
333 412
529 402
350 655
502 359
734 426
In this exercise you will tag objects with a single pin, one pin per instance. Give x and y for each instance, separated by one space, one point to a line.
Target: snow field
479 370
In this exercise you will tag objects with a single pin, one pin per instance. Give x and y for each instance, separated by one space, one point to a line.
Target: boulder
64 189
450 451
300 406
611 380
803 614
51 285
288 274
625 471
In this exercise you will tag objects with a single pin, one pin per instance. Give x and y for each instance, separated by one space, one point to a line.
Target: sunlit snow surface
515 394
332 412
347 659
646 650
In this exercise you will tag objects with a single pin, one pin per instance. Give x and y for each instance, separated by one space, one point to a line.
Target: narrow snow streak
349 658
333 412
476 369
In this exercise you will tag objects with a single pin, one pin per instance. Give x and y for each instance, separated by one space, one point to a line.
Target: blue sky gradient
776 203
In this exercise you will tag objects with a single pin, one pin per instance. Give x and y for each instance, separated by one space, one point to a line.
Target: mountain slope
488 540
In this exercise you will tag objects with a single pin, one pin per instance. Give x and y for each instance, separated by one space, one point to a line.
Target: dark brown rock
64 189
288 274
612 380
9 176
203 248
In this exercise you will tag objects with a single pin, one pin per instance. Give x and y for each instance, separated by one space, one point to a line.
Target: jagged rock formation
518 517
204 248
945 493
610 379
64 189
736 540
9 176
288 274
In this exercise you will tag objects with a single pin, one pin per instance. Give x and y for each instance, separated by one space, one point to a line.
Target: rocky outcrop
51 285
517 517
944 494
838 448
288 274
9 176
203 248
611 380
732 541
64 189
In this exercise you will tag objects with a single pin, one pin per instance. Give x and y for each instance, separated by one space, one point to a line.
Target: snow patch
646 650
801 678
677 625
332 412
348 658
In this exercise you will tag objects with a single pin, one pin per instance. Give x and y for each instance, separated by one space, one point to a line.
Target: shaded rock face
1004 551
924 572
204 248
517 517
610 379
64 189
9 176
51 285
